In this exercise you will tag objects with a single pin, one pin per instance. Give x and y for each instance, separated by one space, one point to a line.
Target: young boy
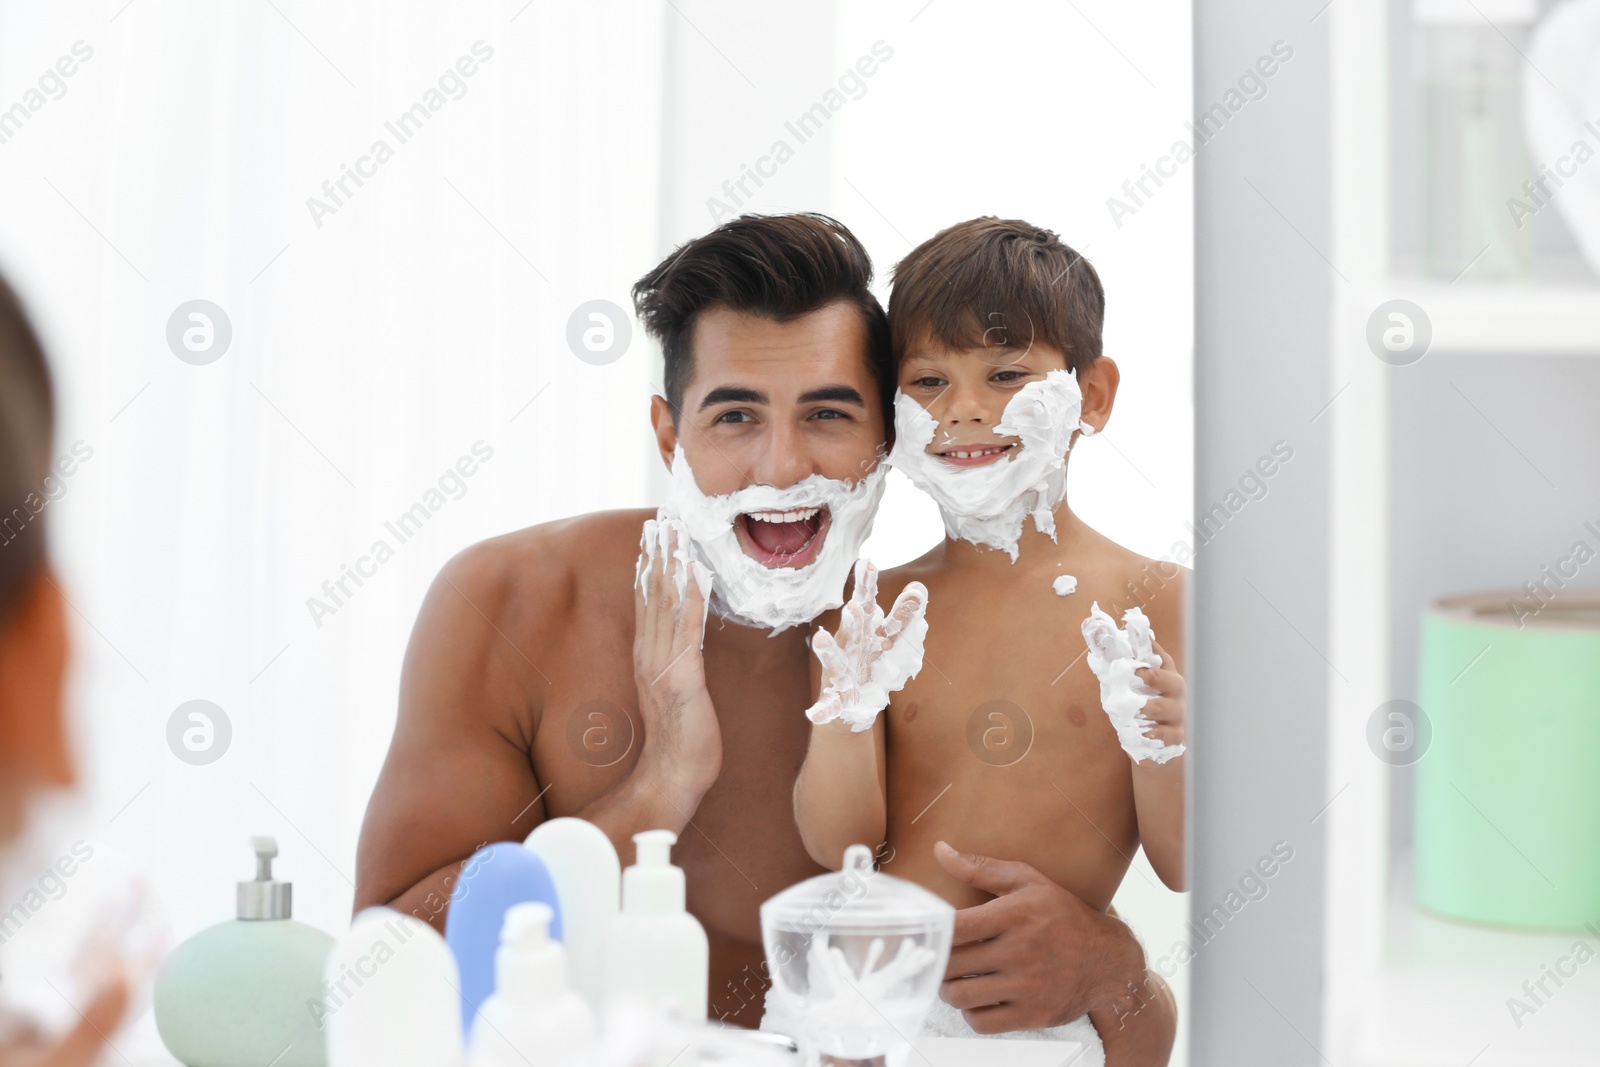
1000 744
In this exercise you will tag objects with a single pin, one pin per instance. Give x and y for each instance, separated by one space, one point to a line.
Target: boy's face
967 390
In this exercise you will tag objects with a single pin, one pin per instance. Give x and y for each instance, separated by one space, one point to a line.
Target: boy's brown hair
998 283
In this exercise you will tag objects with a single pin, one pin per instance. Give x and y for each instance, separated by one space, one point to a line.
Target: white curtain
372 348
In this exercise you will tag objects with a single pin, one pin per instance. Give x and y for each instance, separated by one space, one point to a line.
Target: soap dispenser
533 1016
237 994
656 953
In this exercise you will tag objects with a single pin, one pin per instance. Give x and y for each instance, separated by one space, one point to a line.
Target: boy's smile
967 390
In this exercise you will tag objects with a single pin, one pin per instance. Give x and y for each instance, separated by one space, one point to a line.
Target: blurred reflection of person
34 651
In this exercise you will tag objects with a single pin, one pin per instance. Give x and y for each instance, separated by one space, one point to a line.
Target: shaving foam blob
858 673
987 505
1114 656
776 598
1065 585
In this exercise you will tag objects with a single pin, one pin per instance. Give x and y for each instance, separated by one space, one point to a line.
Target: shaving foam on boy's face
778 557
987 480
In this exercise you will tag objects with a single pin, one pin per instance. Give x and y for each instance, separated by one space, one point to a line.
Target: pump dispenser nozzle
653 886
265 899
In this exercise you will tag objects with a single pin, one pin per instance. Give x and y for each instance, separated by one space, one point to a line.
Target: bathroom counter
142 1048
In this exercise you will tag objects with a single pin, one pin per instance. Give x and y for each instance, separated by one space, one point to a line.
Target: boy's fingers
866 584
1163 712
82 1047
1167 683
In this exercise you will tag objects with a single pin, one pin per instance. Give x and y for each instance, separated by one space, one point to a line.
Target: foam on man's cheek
743 590
988 505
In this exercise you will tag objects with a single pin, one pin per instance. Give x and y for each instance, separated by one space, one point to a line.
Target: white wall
372 351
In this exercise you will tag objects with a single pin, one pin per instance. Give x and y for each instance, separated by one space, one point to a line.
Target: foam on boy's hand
1114 657
858 672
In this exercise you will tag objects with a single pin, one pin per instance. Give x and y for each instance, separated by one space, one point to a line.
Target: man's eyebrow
733 394
847 394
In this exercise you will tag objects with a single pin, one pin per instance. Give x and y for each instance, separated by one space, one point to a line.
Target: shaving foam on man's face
774 451
989 475
778 557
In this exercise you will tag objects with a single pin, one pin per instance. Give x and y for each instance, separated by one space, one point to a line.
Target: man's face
967 390
773 403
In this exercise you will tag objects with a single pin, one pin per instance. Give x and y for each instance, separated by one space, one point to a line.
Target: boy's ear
666 428
1098 383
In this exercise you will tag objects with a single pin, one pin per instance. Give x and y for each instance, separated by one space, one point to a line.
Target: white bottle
657 955
583 864
392 995
533 1016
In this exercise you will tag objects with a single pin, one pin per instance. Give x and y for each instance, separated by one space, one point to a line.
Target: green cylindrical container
1508 794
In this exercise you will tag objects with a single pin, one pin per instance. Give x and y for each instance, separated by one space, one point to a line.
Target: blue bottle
496 877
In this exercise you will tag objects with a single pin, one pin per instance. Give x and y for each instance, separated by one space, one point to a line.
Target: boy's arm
1158 788
839 797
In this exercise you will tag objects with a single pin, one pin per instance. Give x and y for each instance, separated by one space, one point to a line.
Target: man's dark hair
778 266
27 407
998 283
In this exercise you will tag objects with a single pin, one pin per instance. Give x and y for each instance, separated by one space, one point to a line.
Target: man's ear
33 668
666 428
1098 383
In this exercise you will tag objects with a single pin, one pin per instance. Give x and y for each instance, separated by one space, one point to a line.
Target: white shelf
1440 997
1535 318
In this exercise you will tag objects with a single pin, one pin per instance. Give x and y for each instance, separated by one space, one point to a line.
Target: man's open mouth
973 455
789 538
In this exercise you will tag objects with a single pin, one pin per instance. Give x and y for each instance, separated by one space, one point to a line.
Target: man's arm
457 775
459 772
1037 956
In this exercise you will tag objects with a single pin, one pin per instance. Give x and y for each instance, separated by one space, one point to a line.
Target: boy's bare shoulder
1159 586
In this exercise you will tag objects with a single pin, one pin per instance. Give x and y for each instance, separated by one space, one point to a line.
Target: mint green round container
1507 828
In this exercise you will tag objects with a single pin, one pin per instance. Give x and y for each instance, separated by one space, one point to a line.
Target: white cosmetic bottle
583 864
656 953
533 1016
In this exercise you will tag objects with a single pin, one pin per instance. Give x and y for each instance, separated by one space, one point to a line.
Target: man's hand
682 750
1036 955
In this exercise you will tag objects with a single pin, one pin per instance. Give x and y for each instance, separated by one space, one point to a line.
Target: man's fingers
976 958
981 923
980 992
985 872
1002 1019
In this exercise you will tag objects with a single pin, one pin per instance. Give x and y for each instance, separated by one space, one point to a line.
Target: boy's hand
1167 709
858 672
83 1045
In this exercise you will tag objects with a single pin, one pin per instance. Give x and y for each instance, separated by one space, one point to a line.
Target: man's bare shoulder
531 576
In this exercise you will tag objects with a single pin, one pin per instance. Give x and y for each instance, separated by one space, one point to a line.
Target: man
33 654
525 695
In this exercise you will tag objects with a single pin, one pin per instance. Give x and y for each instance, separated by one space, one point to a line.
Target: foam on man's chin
988 504
751 593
